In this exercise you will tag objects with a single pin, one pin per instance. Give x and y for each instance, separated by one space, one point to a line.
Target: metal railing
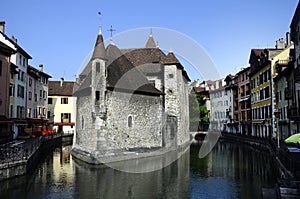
22 150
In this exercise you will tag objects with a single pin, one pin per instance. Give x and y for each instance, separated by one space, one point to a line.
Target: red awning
64 123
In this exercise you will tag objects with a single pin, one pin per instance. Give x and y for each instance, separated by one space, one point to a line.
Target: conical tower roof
170 59
99 50
150 43
112 53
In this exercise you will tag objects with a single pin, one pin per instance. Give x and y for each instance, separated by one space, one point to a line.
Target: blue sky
61 34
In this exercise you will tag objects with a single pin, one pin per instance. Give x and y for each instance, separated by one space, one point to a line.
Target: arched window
129 121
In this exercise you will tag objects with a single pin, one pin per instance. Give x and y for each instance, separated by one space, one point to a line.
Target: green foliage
198 110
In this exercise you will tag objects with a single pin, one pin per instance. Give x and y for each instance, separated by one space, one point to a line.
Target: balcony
294 113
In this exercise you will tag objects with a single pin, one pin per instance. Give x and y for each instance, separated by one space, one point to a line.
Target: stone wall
133 121
85 132
176 101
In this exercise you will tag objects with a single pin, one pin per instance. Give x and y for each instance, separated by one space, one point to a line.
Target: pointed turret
150 43
171 59
112 53
99 50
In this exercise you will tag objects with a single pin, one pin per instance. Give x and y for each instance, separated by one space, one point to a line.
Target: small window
170 76
50 100
66 117
97 95
29 95
129 122
11 89
64 100
97 67
152 82
30 82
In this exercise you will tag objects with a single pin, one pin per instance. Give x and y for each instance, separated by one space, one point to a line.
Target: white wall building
221 100
62 106
18 100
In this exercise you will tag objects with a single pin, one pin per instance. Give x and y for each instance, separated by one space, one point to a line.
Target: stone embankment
20 156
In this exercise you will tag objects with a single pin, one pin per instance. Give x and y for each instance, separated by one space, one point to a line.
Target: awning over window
64 123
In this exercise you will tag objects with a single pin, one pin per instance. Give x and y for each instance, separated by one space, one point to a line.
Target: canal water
230 171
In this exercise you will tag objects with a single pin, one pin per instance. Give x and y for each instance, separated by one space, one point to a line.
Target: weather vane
100 15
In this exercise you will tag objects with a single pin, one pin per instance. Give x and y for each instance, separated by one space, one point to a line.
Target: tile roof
56 89
199 89
140 56
170 59
122 75
37 73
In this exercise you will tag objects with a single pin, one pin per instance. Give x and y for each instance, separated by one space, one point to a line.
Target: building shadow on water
231 170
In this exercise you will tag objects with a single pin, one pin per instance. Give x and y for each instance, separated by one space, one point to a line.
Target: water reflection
170 182
229 171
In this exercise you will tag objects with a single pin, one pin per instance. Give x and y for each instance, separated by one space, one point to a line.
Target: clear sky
61 33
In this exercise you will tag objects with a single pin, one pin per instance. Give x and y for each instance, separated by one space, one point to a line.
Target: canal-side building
283 96
230 89
294 110
244 101
37 99
5 68
263 100
62 106
221 100
129 101
18 100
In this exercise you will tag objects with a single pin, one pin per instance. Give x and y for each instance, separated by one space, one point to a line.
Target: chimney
61 81
2 26
280 44
14 39
288 38
41 67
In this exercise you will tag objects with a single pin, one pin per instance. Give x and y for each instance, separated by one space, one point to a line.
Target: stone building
130 101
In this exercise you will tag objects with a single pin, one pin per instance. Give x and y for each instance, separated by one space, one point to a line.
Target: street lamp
277 114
